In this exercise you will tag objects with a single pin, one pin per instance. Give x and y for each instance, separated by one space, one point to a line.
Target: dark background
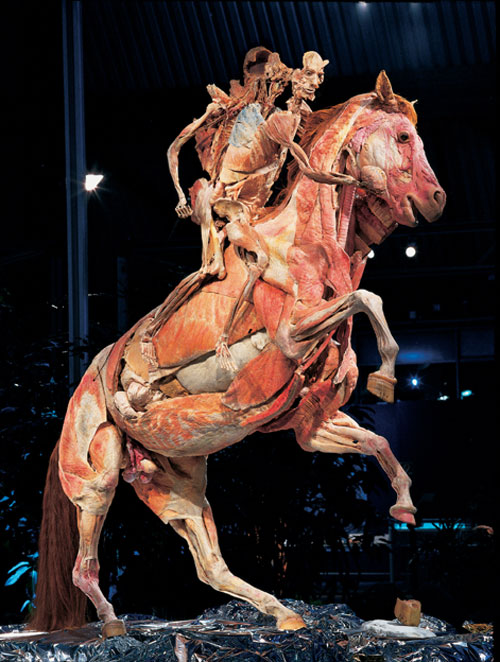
287 519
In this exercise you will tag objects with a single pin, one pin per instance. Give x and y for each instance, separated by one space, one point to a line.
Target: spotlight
414 382
92 181
443 397
466 394
411 250
371 254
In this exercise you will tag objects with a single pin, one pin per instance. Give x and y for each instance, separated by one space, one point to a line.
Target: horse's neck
319 213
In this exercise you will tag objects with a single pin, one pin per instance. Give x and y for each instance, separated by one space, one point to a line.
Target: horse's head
389 158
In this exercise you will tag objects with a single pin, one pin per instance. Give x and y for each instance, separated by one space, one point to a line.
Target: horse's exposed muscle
139 407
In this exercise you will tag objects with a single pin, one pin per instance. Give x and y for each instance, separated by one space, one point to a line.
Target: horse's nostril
439 196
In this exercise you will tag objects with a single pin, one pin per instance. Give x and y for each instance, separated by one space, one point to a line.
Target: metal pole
76 196
121 293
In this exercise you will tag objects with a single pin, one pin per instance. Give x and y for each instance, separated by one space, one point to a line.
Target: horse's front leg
330 314
341 434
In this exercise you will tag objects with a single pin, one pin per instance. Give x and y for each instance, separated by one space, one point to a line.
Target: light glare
92 181
410 251
371 254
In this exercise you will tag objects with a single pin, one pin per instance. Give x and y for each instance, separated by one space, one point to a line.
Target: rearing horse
157 402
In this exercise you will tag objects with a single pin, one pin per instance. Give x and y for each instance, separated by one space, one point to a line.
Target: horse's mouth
410 212
381 210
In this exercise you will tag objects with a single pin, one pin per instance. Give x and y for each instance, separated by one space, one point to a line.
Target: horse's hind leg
92 494
177 496
341 434
86 572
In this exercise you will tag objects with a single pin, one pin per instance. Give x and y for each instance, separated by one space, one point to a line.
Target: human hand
183 210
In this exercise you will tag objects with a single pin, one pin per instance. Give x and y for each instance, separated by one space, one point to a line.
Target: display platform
236 631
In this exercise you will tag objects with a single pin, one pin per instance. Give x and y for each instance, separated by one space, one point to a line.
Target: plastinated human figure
264 78
250 168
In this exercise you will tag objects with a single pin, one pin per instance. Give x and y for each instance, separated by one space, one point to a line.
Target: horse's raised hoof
381 386
294 622
113 629
402 514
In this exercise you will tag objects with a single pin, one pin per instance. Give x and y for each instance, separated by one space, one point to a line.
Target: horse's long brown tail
58 604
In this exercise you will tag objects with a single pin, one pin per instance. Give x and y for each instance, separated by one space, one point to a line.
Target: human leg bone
243 236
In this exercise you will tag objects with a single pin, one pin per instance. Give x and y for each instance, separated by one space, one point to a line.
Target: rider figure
247 168
251 167
264 78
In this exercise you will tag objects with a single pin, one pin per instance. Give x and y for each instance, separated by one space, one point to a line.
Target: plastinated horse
153 405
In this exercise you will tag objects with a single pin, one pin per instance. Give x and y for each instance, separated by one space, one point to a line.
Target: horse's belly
190 425
207 376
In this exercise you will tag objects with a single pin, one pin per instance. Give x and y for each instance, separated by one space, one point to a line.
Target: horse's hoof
381 386
404 515
294 622
113 629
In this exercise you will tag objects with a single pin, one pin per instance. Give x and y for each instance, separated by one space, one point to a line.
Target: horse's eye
403 137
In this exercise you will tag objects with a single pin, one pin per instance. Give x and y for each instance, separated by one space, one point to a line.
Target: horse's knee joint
368 298
381 444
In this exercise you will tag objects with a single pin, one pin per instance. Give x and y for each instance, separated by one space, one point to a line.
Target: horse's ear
383 88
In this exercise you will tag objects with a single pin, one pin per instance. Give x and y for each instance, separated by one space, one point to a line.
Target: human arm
183 209
281 128
318 175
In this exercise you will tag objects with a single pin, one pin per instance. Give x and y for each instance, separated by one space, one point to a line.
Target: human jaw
306 81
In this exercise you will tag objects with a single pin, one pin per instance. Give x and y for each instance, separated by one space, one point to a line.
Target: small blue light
428 525
414 382
466 393
443 397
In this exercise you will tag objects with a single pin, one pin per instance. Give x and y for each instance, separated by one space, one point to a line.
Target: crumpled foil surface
238 632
